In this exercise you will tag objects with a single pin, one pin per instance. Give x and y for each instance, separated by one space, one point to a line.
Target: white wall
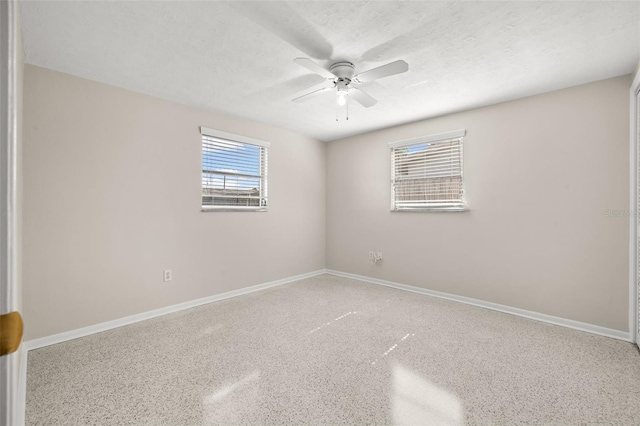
540 174
112 198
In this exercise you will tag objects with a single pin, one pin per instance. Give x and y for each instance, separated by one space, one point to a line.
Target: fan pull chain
346 106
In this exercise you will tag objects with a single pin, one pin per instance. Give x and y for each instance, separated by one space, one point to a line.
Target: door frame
10 365
634 204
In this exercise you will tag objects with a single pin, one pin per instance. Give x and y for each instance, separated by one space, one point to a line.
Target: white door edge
10 365
634 207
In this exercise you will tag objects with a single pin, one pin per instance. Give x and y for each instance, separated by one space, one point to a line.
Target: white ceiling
237 57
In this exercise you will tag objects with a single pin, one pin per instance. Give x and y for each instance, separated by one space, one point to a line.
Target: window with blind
426 173
234 171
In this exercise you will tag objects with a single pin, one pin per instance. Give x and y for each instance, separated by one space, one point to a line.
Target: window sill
431 210
233 209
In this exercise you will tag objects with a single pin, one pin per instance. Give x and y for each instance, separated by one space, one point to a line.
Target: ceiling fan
340 76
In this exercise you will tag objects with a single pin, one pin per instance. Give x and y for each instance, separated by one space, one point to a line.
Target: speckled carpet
329 350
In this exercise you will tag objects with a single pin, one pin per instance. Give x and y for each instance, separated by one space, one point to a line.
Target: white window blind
234 172
427 173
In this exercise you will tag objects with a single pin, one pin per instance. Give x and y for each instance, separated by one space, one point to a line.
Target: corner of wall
325 153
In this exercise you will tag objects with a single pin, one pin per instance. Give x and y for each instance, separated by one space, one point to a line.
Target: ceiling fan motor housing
344 70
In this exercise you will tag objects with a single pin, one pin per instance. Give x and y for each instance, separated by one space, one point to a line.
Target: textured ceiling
237 57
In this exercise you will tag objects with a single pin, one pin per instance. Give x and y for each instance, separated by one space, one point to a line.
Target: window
426 173
234 172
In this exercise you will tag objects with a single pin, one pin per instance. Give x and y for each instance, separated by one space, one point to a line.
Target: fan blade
396 67
312 66
315 91
362 98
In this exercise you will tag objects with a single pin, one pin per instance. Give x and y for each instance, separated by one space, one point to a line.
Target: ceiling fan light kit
340 76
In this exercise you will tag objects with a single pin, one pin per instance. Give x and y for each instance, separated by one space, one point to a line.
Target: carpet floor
330 350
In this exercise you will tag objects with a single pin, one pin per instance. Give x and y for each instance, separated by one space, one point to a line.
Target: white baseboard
577 325
97 328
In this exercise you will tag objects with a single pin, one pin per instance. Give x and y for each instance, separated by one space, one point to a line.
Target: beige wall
540 173
112 193
112 198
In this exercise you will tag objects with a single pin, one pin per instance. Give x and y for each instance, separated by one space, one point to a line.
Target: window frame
263 166
431 139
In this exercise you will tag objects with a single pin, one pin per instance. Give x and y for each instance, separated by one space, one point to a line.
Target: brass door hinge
10 332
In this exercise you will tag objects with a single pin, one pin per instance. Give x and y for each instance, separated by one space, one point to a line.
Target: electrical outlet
375 257
167 275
